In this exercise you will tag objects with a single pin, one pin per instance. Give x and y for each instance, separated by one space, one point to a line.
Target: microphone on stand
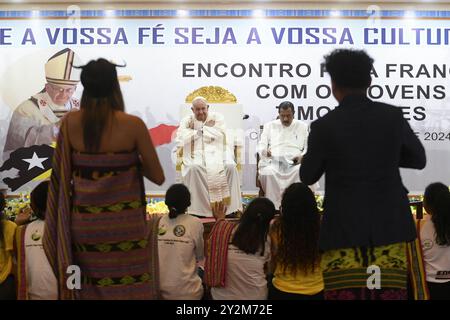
245 117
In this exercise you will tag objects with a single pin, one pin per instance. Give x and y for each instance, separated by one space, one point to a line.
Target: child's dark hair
437 200
38 199
251 233
178 199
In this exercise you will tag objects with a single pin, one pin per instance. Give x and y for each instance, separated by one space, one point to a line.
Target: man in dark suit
367 221
360 146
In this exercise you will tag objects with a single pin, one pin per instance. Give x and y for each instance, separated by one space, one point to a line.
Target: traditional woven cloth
57 239
345 272
21 278
217 253
100 225
416 268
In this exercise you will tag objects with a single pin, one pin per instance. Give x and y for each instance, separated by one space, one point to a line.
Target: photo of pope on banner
36 120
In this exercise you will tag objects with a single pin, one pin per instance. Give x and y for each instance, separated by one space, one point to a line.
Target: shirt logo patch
36 236
443 275
161 231
179 230
427 244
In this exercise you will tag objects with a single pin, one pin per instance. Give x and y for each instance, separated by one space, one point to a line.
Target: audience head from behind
38 200
178 199
101 97
99 79
349 71
298 230
251 233
437 204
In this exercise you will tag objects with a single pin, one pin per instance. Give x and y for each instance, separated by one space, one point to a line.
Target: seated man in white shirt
208 168
281 147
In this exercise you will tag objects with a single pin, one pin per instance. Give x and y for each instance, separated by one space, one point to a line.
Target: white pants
274 181
194 177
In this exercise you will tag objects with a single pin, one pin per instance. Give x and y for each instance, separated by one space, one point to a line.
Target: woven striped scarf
416 268
217 253
57 240
21 279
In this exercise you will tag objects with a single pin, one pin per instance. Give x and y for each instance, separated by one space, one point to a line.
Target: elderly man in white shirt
281 147
207 166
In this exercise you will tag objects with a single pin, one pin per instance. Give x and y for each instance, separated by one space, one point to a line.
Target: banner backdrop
261 60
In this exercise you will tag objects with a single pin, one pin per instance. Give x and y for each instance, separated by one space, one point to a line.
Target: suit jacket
360 147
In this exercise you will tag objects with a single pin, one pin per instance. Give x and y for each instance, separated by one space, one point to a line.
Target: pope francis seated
208 168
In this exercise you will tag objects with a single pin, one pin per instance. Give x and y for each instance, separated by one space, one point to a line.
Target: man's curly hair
349 68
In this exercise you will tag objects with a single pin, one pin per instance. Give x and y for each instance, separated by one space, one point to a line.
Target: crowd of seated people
261 256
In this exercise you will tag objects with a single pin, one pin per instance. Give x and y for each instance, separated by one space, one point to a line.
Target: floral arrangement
246 200
418 198
156 206
15 205
319 200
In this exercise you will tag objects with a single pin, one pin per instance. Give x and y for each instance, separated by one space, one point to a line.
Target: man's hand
191 125
269 154
219 209
210 123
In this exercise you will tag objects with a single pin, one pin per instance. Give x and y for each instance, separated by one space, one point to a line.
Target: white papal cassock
277 172
208 167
